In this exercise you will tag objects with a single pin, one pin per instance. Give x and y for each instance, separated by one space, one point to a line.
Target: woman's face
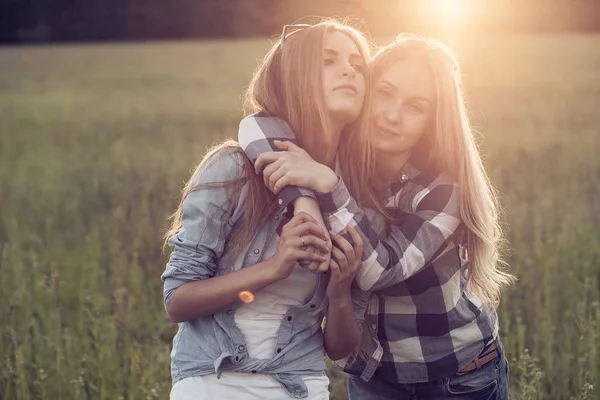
343 78
402 106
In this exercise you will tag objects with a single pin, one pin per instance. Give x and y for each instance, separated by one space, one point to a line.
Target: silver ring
303 242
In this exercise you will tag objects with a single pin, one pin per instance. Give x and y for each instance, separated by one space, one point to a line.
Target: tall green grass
97 141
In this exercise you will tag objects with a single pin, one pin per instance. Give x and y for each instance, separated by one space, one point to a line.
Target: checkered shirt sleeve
256 135
428 211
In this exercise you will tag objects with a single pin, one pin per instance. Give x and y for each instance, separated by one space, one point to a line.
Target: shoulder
225 163
432 190
260 126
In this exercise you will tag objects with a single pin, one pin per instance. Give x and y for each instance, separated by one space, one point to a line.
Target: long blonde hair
450 147
288 84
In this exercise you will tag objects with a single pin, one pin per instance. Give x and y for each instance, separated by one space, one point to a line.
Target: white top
259 322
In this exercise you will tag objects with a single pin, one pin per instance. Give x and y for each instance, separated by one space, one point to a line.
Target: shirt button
256 251
289 318
229 312
277 218
253 371
312 306
278 350
280 201
241 348
374 326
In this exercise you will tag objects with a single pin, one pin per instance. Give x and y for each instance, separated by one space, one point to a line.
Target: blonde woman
230 238
431 331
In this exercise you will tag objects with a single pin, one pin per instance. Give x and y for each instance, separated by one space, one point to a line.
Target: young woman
431 330
230 240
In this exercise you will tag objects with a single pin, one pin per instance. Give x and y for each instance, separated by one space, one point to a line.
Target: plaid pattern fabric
423 323
252 138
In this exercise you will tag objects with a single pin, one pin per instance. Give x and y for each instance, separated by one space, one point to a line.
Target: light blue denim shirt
213 344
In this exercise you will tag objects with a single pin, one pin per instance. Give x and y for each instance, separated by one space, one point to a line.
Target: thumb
287 146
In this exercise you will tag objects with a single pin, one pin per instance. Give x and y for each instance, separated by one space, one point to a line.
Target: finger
312 267
339 257
266 158
274 178
345 246
315 242
270 169
324 266
281 183
358 242
288 146
307 228
335 269
299 254
282 144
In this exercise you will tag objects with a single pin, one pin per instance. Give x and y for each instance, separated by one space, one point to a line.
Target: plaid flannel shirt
423 322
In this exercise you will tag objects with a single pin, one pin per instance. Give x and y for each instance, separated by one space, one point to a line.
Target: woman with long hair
431 329
232 239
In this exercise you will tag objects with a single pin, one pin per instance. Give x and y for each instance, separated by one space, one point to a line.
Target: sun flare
447 12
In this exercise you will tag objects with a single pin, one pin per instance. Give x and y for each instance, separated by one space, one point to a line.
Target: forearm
342 332
205 297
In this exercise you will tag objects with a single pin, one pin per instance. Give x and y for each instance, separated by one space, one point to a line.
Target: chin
345 114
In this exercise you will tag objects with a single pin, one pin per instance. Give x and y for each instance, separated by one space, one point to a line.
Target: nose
393 115
348 70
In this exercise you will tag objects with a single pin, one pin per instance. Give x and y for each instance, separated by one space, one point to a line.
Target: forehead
409 76
340 43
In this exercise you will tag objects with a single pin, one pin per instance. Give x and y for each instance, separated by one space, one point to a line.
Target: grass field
96 142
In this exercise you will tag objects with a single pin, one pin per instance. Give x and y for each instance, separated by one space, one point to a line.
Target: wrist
271 271
339 301
327 181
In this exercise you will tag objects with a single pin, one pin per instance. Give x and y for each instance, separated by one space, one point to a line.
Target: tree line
100 20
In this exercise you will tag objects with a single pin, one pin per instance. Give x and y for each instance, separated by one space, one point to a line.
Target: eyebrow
335 53
412 97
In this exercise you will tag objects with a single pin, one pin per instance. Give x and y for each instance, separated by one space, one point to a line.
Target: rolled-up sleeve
206 220
256 135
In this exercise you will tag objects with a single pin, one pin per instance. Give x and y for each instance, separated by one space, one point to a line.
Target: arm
422 235
256 135
343 327
191 289
347 303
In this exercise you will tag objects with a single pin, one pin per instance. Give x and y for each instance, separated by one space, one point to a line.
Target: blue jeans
490 382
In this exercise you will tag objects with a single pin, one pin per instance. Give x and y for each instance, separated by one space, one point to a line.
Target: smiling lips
351 88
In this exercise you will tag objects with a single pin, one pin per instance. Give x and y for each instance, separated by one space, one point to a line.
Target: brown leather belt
488 354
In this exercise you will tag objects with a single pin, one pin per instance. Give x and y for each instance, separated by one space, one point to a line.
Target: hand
294 167
301 231
311 207
345 260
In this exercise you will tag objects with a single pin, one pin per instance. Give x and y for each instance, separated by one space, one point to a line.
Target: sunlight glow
447 12
451 10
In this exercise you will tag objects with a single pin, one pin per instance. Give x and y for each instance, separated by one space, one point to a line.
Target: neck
389 168
326 153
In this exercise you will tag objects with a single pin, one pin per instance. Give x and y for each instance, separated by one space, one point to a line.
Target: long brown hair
450 147
288 84
260 202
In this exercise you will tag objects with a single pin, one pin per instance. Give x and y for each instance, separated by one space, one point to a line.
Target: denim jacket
213 344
